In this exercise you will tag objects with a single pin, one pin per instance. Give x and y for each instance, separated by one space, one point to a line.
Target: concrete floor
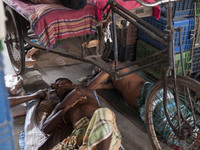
132 137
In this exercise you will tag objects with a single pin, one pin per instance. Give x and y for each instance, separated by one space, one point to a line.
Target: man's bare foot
31 52
13 83
16 87
30 63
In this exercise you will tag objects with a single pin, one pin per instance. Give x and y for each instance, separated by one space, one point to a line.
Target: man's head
62 87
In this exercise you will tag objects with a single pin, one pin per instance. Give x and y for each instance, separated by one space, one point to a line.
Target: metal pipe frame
96 59
93 59
153 4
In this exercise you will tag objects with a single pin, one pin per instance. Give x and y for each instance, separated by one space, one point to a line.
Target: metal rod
95 60
196 22
115 38
143 59
179 29
142 68
183 72
171 66
181 51
153 4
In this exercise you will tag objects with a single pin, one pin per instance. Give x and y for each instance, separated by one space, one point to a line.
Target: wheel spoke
14 43
156 115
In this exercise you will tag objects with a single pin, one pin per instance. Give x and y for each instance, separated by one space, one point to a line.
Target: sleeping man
134 90
129 86
93 127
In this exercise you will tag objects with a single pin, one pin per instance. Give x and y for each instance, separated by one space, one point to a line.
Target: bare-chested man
134 90
77 105
129 86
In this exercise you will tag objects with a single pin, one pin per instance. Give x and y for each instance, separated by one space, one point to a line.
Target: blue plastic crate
6 126
180 9
187 25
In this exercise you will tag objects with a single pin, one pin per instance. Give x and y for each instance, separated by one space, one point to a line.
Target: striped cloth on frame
52 22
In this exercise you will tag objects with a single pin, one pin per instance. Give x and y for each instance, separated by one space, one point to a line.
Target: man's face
62 87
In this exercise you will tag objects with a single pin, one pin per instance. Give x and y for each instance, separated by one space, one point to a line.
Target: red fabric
53 22
60 22
99 4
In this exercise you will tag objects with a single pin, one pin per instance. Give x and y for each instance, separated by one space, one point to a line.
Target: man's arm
22 99
97 82
61 108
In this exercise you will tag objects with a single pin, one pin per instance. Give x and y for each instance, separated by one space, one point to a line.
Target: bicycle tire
14 41
157 140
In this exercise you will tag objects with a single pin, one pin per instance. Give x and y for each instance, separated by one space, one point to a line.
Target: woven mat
117 101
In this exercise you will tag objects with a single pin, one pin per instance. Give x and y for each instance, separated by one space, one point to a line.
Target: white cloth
2 22
34 138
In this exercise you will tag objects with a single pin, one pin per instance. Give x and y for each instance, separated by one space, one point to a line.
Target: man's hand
41 93
70 105
79 99
58 113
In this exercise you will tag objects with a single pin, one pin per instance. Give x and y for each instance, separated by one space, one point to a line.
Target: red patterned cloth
52 22
59 22
99 5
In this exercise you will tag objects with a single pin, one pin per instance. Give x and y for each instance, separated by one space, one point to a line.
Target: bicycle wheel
14 41
158 128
